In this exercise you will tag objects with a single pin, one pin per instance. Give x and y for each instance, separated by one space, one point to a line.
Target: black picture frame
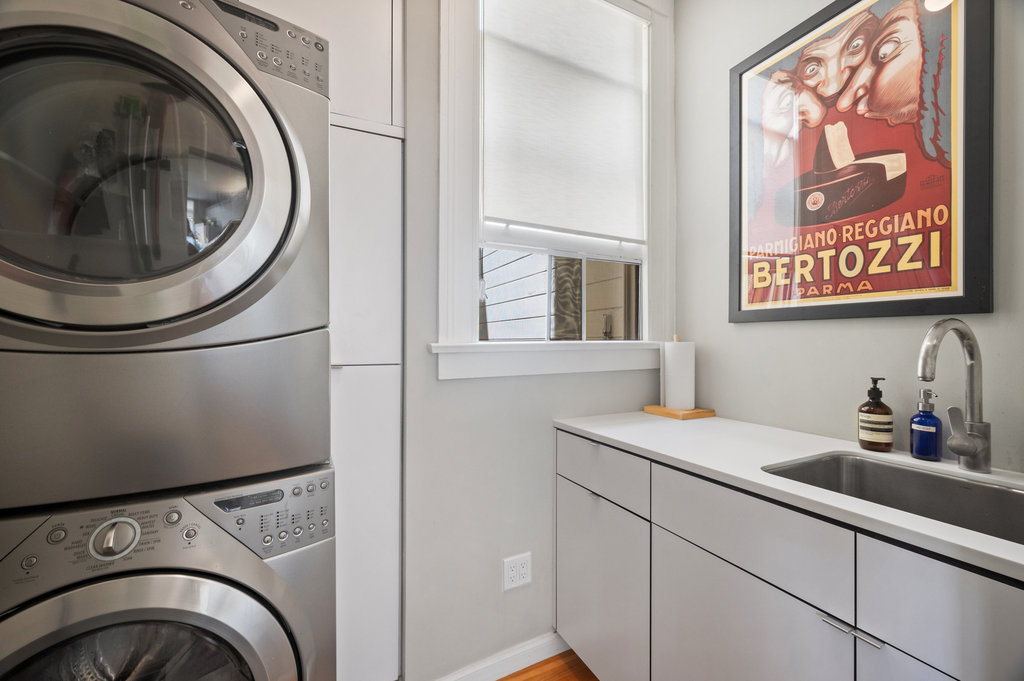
968 54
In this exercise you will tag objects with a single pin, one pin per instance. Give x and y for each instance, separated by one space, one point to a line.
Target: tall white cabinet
366 398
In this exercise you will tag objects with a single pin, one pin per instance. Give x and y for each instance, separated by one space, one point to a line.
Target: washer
163 246
230 584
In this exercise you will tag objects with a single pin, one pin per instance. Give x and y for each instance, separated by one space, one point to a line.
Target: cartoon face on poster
849 161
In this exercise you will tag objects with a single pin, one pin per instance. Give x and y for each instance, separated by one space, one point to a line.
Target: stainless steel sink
991 508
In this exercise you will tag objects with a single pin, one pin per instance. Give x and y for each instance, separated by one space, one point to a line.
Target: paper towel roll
677 375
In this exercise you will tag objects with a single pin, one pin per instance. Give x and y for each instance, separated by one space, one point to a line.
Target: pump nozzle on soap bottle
874 421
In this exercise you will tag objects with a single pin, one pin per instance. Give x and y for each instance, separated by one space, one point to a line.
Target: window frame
460 354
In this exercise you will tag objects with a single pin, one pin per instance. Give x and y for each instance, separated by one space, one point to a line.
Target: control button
311 527
296 491
292 67
29 561
243 35
277 60
306 73
57 535
297 531
319 45
282 535
239 521
319 79
114 538
185 5
305 40
310 488
190 533
172 517
262 55
325 522
324 484
291 33
267 539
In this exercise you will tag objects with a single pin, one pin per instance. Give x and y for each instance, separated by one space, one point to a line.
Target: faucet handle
956 420
961 442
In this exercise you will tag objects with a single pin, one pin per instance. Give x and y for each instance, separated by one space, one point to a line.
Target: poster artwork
850 161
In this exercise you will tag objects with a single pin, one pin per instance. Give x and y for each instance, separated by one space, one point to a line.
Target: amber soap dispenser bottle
874 421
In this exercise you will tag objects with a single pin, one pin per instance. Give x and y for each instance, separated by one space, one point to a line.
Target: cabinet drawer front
603 590
710 621
615 475
809 558
963 623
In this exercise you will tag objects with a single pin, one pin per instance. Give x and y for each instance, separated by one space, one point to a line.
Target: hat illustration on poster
842 184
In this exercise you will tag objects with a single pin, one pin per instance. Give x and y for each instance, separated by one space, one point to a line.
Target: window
556 179
533 296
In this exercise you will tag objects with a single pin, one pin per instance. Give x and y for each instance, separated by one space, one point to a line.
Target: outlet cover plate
517 571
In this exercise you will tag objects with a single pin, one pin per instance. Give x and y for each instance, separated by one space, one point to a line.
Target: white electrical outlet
516 571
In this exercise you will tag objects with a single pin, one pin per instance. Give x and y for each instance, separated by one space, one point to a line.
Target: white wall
479 454
811 375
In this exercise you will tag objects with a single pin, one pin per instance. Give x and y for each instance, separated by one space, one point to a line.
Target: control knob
114 538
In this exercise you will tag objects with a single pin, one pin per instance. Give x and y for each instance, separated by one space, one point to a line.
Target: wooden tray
682 414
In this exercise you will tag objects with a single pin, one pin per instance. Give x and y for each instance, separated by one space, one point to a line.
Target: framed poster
861 165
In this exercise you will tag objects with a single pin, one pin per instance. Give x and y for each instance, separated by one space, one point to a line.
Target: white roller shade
564 117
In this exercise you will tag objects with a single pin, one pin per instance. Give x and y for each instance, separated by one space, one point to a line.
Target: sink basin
991 508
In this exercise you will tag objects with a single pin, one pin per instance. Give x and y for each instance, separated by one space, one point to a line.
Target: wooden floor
563 667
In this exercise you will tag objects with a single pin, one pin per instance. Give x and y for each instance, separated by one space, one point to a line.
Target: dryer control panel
274 46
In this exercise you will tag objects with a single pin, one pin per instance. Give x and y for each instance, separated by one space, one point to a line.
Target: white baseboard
511 659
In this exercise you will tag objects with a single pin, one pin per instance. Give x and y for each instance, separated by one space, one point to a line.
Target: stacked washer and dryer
166 501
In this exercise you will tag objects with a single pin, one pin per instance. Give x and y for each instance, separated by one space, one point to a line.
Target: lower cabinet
720 585
711 621
962 622
603 583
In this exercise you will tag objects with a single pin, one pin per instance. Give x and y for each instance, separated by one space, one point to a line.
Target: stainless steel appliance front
229 584
163 215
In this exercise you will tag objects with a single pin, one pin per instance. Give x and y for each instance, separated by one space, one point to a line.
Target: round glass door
157 627
143 179
140 651
113 172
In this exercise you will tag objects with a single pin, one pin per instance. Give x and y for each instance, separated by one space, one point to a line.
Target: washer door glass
151 627
113 172
154 651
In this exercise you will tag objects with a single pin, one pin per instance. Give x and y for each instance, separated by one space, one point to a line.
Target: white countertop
733 452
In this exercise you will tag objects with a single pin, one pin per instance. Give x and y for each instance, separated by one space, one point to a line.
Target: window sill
496 358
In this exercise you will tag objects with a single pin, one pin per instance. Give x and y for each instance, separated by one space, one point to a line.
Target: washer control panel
41 552
275 518
274 46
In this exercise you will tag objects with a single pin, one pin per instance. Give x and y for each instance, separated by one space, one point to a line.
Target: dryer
224 584
163 246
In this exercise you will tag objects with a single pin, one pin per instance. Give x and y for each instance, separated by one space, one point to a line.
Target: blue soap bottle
926 429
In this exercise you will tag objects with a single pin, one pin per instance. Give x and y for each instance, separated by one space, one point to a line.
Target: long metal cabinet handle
868 639
838 624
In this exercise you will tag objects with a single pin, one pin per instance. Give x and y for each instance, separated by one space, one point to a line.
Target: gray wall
812 375
479 454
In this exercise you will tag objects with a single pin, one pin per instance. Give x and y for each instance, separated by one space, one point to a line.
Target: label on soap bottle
875 427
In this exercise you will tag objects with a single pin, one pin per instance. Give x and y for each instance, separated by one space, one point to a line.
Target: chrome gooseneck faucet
971 437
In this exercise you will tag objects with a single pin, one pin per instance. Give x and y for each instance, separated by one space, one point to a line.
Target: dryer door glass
151 651
113 170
